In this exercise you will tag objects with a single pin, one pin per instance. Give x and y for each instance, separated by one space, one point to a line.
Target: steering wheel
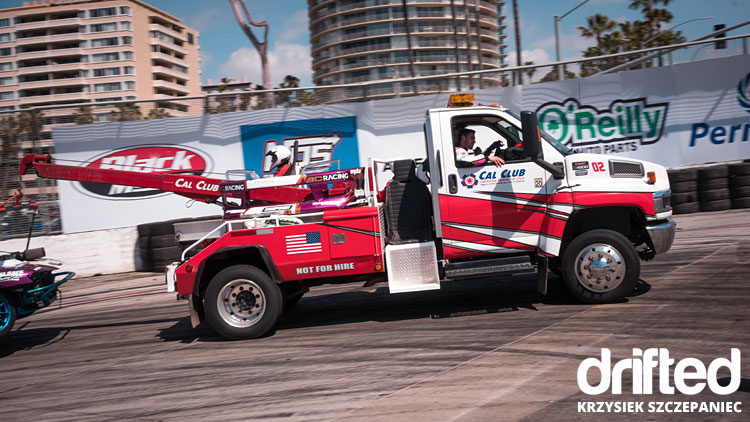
513 153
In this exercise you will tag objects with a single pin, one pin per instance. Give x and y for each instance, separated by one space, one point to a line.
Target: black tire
741 202
238 290
683 175
686 208
170 253
713 172
156 229
617 259
740 192
7 314
684 187
711 184
161 241
739 181
713 195
683 197
739 169
718 205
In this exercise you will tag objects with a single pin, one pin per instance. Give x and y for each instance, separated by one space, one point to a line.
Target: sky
227 52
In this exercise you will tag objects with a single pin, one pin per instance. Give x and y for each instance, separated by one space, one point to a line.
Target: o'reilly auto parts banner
684 114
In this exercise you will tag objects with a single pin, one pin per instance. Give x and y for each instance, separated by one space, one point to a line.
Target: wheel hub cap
600 268
241 303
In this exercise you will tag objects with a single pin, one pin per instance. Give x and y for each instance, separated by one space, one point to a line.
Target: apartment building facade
73 51
366 40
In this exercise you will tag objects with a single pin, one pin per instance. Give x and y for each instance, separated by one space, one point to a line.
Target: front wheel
601 266
7 314
242 302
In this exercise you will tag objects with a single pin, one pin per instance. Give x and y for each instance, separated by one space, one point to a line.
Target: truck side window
492 135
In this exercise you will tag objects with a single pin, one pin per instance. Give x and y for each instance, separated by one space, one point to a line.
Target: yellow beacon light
461 100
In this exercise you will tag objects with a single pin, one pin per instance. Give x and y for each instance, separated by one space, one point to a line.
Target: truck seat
408 206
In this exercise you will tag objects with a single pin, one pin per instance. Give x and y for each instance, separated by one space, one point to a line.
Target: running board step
487 267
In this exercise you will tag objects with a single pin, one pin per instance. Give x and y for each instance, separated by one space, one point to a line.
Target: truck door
488 209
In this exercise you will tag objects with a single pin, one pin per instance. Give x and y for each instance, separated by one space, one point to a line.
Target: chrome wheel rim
241 303
600 268
5 313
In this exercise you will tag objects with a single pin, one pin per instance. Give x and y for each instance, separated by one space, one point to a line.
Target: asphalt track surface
120 348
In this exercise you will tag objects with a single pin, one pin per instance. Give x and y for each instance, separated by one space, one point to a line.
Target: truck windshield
554 142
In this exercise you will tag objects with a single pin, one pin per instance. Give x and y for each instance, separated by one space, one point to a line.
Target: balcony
54 98
169 31
161 70
168 58
51 53
50 68
73 36
171 86
50 83
49 23
168 45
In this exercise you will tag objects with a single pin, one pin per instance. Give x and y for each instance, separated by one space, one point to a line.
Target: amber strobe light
461 100
651 177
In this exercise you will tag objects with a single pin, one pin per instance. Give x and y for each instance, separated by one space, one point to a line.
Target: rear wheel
7 314
601 266
242 302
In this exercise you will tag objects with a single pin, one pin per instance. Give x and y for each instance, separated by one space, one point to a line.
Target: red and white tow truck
590 218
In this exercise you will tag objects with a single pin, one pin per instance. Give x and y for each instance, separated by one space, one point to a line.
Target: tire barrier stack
158 246
711 188
684 185
739 185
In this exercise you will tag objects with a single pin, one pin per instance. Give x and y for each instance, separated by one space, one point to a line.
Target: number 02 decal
597 166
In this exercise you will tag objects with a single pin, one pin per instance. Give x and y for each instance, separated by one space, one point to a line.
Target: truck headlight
663 201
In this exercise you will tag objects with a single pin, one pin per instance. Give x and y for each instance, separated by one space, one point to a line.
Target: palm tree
597 26
158 113
127 112
289 82
83 116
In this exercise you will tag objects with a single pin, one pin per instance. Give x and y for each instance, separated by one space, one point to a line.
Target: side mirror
532 139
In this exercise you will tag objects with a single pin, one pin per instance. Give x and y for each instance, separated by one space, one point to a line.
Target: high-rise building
366 40
73 51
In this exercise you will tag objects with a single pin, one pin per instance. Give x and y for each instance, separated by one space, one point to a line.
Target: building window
127 40
7 108
126 26
4 67
128 70
4 37
107 11
107 99
6 96
190 39
130 85
130 97
5 51
8 80
127 55
102 117
4 22
179 68
112 86
125 10
104 57
104 42
104 27
109 71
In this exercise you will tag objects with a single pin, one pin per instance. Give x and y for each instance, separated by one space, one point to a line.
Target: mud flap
542 268
195 313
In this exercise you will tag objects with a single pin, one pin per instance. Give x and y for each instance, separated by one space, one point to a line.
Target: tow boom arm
194 187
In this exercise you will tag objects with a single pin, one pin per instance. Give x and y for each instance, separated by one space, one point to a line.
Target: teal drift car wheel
7 314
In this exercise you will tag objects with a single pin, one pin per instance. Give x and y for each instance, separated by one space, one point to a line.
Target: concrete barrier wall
88 253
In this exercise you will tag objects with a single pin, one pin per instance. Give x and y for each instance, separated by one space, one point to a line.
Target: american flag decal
303 243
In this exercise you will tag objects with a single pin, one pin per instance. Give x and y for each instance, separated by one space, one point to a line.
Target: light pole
643 65
560 76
